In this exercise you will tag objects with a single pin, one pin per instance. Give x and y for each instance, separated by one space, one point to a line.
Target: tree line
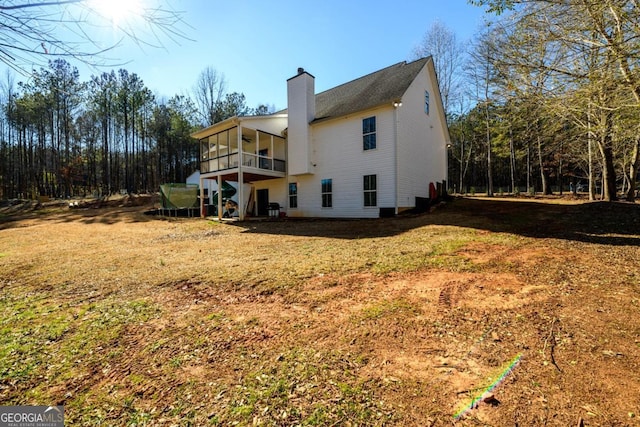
63 137
546 100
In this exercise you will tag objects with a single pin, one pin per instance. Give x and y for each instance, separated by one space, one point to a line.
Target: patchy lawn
483 312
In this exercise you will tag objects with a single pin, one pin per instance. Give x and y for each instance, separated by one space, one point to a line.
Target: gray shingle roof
378 88
375 89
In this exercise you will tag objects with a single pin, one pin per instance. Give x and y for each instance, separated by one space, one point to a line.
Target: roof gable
378 88
381 87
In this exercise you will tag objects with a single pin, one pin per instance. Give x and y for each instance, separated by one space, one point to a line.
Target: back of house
368 148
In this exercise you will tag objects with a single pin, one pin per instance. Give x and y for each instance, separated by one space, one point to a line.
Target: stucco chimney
301 105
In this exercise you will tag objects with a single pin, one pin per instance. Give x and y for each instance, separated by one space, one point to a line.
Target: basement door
263 202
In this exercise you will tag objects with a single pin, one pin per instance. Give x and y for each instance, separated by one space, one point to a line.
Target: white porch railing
250 160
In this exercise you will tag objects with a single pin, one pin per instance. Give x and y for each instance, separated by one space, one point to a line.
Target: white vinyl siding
338 155
422 142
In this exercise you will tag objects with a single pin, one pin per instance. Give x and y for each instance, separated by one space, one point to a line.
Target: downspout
396 105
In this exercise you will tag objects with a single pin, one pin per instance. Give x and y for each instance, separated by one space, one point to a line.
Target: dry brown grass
128 319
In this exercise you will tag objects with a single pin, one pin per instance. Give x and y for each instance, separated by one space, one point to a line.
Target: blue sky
259 44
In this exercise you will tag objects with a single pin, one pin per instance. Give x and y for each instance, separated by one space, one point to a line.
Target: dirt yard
480 313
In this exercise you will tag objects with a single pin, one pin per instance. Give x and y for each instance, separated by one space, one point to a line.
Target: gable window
370 190
327 193
293 195
426 102
369 133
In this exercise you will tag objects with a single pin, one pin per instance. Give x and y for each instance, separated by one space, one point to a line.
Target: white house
364 149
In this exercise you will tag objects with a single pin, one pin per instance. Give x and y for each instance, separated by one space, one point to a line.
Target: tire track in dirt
452 292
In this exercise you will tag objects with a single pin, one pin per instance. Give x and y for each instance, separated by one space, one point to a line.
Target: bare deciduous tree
208 92
35 32
609 30
481 71
448 56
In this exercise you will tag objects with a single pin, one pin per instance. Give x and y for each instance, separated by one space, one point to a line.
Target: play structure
179 200
184 199
230 199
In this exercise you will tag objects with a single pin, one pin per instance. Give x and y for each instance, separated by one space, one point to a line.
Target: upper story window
426 101
327 193
369 133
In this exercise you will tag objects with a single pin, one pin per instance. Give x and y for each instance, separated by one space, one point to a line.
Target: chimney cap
301 71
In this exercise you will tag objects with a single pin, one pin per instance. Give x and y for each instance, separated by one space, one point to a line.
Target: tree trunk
560 183
543 175
461 165
606 150
512 163
528 165
464 167
489 164
105 157
592 189
633 171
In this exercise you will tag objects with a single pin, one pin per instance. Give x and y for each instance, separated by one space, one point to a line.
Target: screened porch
254 151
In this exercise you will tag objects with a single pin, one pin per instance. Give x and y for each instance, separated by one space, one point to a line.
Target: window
370 190
426 101
293 195
369 133
327 191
